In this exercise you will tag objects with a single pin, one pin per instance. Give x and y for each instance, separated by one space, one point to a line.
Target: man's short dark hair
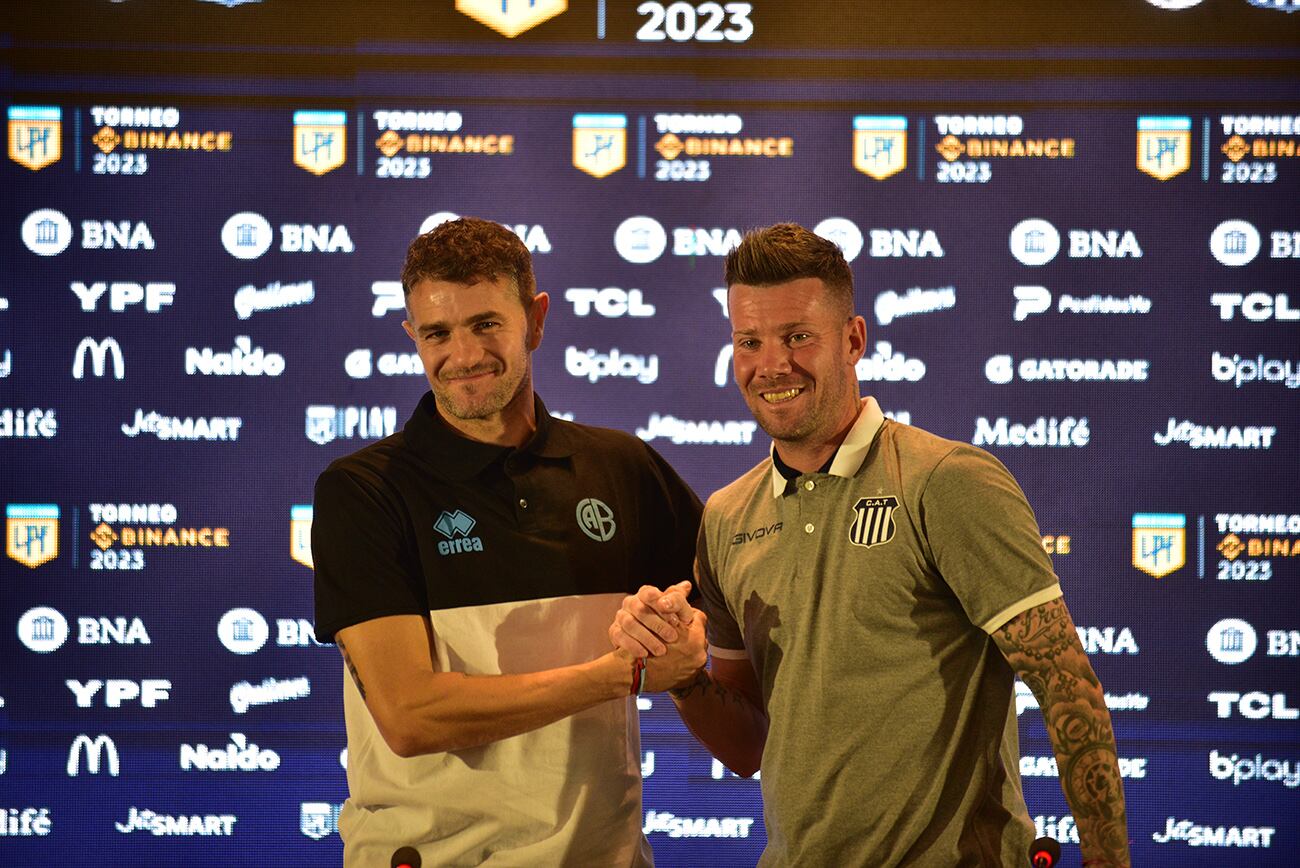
468 250
785 252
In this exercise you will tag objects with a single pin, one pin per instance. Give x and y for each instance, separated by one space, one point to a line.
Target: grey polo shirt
865 598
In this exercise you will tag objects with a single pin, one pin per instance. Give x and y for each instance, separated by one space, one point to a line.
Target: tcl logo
1255 306
149 691
608 302
1254 705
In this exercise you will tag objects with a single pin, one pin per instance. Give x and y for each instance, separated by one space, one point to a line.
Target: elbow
404 738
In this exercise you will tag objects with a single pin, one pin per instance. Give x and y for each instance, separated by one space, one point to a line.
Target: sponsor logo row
692 147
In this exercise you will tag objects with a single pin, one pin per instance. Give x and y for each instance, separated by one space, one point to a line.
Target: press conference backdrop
1075 240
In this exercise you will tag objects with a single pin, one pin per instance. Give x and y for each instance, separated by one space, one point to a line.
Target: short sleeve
676 519
365 568
985 539
724 633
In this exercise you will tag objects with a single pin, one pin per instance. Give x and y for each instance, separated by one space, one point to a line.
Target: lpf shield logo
322 424
511 17
873 521
320 141
1159 542
35 135
599 143
32 533
879 145
1164 146
300 534
318 820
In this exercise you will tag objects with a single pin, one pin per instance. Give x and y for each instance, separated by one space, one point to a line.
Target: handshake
663 628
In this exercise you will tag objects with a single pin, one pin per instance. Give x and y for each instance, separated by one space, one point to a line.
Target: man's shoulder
736 495
372 463
925 456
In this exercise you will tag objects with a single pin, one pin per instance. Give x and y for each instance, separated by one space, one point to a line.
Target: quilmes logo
94 751
640 239
35 135
43 629
1164 146
320 140
511 17
1159 542
300 517
250 300
243 631
327 422
599 143
47 232
880 145
1231 641
319 820
32 533
100 352
455 527
841 232
890 305
244 695
1234 243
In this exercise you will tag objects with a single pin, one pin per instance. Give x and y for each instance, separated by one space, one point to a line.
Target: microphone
405 857
1044 853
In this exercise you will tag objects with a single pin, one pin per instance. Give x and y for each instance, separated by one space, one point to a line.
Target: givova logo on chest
455 526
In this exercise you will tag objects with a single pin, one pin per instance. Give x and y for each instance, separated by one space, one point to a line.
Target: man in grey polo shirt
871 590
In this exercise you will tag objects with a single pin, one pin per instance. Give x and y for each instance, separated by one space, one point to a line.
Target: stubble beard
456 403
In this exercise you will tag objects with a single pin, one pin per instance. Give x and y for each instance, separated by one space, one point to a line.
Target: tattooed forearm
704 685
1043 647
356 676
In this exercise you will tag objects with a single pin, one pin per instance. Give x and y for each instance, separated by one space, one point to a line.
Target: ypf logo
640 239
243 631
1035 242
1231 641
596 519
47 232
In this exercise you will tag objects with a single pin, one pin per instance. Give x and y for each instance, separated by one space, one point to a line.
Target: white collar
852 452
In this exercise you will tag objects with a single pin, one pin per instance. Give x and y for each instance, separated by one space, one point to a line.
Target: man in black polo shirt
469 567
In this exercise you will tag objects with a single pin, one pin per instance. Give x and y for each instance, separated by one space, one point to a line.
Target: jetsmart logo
177 825
708 432
92 751
240 755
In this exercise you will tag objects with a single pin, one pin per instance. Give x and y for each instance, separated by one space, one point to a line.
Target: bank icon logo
243 631
300 516
35 135
599 143
1234 243
640 239
43 629
1164 146
843 233
511 17
320 140
32 533
47 232
454 524
873 521
879 145
1159 542
1231 641
596 519
247 235
1034 242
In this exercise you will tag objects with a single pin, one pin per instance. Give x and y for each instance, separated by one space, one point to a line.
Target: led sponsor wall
200 309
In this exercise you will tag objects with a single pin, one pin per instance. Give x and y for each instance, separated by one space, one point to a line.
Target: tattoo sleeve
356 676
704 685
1043 647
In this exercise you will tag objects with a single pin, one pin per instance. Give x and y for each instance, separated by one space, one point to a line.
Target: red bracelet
638 676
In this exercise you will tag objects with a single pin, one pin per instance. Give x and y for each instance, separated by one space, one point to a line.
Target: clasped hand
664 628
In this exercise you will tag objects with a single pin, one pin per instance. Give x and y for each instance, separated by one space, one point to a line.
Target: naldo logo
1034 242
247 235
43 629
1234 243
243 631
640 239
47 232
1231 641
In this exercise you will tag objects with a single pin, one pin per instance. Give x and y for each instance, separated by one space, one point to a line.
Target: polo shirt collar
457 457
852 452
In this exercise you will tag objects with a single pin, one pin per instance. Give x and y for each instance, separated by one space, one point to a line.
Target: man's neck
514 425
809 457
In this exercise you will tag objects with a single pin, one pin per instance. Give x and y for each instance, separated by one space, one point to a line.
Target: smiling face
476 341
795 351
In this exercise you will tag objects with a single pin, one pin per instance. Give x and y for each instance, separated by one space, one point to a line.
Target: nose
773 360
464 350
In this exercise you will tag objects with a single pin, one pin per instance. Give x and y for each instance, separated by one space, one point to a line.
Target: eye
436 335
799 338
746 344
486 326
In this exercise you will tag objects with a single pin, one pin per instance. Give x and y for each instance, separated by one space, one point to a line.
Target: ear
410 329
537 319
855 339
